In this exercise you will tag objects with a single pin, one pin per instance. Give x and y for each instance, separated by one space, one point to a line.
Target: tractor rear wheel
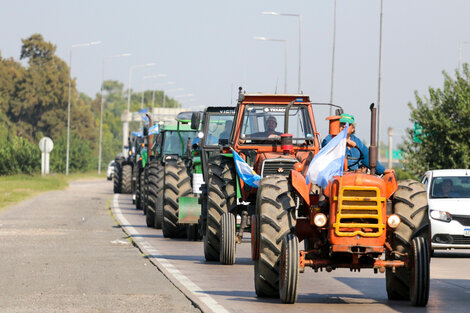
276 210
289 268
227 239
126 186
221 198
138 195
177 184
410 204
117 178
154 193
143 191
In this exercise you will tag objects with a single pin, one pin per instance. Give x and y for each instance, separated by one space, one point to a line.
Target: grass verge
14 189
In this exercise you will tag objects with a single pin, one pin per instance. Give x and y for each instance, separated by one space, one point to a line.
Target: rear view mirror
195 120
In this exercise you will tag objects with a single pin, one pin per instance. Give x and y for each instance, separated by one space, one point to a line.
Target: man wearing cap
270 129
357 152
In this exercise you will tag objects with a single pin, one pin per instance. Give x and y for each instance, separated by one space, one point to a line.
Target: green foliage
81 155
18 155
445 120
403 174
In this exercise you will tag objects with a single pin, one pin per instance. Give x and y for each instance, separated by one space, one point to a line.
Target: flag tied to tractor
329 161
245 172
154 129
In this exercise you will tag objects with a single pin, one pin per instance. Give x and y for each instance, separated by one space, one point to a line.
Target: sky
207 48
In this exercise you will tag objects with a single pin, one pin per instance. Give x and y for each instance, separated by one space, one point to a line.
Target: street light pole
379 96
93 43
125 125
285 56
299 16
102 103
333 60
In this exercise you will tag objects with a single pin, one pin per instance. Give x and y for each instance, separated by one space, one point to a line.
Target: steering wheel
357 159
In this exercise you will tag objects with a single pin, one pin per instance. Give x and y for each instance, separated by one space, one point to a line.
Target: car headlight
441 216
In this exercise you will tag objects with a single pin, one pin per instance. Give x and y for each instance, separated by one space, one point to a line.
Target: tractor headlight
393 221
441 216
320 220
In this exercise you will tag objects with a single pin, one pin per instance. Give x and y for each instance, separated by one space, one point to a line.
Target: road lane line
193 291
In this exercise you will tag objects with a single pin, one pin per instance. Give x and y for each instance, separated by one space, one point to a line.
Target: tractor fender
300 185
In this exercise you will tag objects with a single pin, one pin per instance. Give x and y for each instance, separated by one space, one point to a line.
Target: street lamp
93 43
170 90
285 56
461 43
102 102
125 125
153 94
379 95
299 16
333 60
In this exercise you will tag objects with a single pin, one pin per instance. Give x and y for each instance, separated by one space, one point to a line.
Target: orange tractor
360 220
256 138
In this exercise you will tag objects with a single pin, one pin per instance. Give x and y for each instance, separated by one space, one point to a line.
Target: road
220 288
62 251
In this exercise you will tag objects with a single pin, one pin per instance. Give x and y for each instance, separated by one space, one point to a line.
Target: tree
445 120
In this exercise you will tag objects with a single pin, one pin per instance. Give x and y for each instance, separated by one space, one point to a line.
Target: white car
110 171
449 208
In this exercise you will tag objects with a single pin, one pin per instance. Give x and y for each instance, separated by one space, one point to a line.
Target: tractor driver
357 152
269 129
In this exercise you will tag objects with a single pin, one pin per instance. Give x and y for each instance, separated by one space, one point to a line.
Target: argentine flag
329 161
153 130
137 134
245 172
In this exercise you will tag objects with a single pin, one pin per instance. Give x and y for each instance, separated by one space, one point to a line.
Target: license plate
466 232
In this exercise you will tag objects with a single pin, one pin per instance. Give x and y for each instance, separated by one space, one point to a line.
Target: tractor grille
277 167
462 219
359 212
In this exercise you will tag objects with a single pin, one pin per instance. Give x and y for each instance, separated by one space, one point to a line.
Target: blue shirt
354 155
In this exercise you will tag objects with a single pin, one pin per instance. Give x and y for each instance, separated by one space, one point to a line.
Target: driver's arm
365 155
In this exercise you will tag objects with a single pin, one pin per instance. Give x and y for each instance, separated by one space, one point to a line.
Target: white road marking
174 274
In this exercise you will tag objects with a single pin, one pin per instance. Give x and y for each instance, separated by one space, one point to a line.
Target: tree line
34 99
34 102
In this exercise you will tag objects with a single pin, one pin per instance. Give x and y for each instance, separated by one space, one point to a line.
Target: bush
19 155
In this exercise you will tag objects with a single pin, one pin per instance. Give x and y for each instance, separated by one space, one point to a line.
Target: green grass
14 189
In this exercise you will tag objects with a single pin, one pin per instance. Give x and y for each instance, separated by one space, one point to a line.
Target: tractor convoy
230 172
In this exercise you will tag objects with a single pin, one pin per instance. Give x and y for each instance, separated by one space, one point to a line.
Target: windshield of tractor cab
219 127
266 123
450 187
172 143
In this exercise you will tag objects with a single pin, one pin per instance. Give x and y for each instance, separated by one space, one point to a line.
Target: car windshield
172 142
266 123
450 187
219 127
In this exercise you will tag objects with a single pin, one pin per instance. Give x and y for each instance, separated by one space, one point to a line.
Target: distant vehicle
448 194
110 171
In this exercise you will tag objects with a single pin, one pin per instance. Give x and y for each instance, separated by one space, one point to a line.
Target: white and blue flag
154 129
138 134
143 113
329 161
245 172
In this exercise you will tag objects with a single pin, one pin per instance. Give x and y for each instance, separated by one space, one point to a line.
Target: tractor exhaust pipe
373 152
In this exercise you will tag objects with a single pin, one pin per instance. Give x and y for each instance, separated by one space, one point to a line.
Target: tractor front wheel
177 184
288 283
117 178
275 207
126 186
227 239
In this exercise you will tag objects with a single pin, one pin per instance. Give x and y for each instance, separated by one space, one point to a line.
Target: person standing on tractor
357 152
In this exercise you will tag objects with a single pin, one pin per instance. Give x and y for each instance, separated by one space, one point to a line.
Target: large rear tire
143 190
221 198
117 178
227 239
154 193
276 210
177 184
410 204
138 195
289 268
126 186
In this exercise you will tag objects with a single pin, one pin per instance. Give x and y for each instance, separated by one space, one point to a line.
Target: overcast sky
207 48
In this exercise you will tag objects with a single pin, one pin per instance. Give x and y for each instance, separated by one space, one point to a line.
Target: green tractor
216 126
168 176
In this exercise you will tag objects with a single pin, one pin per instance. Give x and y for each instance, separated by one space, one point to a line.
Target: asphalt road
221 288
62 251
